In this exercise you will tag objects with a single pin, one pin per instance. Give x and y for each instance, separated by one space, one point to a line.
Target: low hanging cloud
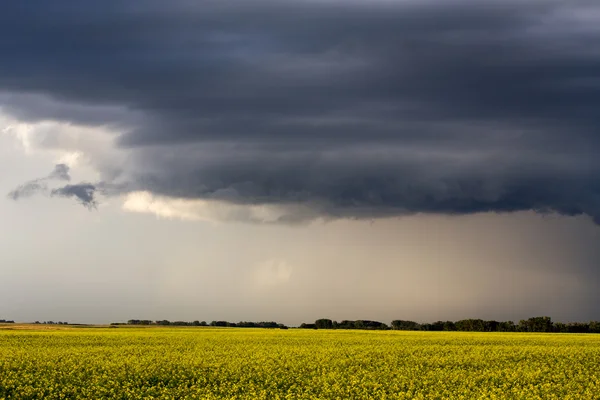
40 185
61 172
28 189
346 109
84 193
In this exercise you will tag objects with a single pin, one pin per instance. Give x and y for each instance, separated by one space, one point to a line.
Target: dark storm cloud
361 109
82 192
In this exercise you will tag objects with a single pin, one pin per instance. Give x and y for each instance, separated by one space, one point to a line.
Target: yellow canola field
230 363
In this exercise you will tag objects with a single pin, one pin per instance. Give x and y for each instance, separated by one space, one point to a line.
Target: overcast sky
290 160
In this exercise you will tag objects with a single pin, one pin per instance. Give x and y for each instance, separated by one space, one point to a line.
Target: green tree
324 323
402 325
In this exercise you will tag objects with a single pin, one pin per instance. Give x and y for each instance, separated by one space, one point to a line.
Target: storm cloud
356 109
83 192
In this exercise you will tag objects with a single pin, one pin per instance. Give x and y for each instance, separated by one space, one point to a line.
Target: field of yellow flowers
230 363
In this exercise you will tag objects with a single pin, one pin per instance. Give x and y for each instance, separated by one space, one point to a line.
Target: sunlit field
213 363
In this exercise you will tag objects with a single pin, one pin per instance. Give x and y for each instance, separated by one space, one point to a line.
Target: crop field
233 363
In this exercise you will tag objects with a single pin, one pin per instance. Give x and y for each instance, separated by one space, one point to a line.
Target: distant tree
437 326
401 325
560 327
324 323
491 326
346 324
472 325
577 327
594 327
370 325
139 322
449 326
426 326
268 324
359 324
536 324
507 326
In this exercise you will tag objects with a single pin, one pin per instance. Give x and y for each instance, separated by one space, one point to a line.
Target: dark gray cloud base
360 109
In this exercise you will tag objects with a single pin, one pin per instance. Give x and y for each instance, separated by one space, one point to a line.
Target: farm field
233 363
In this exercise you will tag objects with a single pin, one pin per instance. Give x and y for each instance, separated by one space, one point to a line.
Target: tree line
6 321
241 324
363 324
534 324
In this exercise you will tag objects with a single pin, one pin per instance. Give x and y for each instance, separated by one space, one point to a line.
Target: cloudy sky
289 160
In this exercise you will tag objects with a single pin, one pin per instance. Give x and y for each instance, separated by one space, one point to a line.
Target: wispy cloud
40 185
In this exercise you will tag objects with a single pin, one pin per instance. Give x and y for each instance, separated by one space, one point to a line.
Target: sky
293 160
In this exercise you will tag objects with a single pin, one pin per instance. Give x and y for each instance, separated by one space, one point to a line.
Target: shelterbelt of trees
535 324
242 324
